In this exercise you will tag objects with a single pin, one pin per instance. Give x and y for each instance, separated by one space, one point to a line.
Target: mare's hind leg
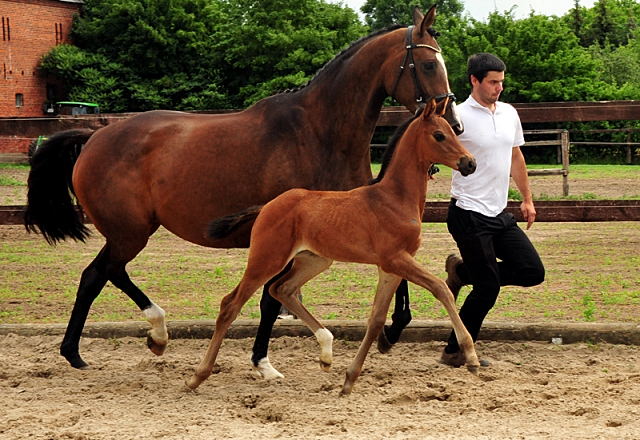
109 265
125 249
387 284
157 337
93 279
407 267
269 309
306 266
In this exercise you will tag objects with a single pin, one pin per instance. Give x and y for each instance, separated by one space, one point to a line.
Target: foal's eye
438 136
429 66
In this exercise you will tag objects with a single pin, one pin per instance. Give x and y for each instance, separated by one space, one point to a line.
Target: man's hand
529 212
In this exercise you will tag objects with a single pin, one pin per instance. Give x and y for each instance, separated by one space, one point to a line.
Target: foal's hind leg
387 284
306 266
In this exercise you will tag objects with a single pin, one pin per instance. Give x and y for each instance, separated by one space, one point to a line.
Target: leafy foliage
136 55
272 45
382 13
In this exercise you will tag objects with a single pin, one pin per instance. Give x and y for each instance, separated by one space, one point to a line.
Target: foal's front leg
387 284
407 267
230 306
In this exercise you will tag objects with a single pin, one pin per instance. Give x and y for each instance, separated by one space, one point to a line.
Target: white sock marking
266 370
155 315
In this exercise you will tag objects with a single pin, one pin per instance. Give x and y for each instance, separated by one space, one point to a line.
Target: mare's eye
438 136
429 66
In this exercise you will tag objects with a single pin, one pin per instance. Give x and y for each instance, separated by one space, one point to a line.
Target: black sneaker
453 280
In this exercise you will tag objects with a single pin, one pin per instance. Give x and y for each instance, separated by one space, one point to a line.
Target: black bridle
419 94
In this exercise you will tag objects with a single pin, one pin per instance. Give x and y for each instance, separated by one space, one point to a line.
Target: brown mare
379 224
180 170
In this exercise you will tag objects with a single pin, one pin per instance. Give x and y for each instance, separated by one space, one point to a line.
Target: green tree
136 55
608 21
543 57
382 13
272 45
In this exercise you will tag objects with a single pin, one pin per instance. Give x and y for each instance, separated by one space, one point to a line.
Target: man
476 217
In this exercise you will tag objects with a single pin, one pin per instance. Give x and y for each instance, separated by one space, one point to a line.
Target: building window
58 33
6 29
19 100
51 92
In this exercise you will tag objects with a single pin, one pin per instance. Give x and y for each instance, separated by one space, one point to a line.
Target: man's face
488 91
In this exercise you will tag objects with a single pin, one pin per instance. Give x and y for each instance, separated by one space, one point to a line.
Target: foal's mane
345 55
391 146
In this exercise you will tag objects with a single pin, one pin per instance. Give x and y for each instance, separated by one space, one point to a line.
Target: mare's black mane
391 146
344 55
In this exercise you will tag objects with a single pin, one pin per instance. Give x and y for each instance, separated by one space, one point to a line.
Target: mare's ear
424 22
429 109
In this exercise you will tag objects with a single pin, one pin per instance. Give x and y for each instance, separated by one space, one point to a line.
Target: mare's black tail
50 209
222 227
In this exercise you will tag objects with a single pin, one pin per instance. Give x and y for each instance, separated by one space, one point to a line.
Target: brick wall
30 28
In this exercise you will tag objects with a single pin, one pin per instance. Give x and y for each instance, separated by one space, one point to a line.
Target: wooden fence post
564 136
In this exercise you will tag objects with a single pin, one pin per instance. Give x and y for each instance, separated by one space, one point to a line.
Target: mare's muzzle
453 118
467 165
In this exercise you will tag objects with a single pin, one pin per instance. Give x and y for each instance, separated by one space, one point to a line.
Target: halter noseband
419 94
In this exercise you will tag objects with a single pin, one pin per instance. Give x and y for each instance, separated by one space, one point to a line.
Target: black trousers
482 241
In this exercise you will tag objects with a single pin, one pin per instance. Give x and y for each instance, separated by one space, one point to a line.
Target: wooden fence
436 212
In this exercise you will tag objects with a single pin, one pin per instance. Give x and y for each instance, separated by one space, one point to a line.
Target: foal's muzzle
467 165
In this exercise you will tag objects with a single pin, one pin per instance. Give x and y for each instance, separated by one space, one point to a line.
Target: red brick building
30 28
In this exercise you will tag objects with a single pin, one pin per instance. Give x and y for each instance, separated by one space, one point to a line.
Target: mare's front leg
401 318
269 309
387 284
407 267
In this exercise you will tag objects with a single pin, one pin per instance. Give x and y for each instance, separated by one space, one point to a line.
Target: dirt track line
418 331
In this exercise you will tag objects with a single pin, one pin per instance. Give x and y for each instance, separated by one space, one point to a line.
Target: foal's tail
50 208
222 227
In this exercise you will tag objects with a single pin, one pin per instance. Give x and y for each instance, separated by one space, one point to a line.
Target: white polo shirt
490 137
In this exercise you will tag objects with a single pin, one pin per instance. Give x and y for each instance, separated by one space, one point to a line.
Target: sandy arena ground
530 391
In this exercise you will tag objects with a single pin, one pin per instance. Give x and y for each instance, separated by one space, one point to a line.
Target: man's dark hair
480 64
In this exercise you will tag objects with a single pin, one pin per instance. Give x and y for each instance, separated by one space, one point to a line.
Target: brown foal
378 224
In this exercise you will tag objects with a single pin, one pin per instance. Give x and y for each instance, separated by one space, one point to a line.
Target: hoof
325 366
192 383
76 362
384 346
474 369
266 370
345 391
156 348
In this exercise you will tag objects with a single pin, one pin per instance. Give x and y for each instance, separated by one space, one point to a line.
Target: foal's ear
430 108
423 22
442 106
